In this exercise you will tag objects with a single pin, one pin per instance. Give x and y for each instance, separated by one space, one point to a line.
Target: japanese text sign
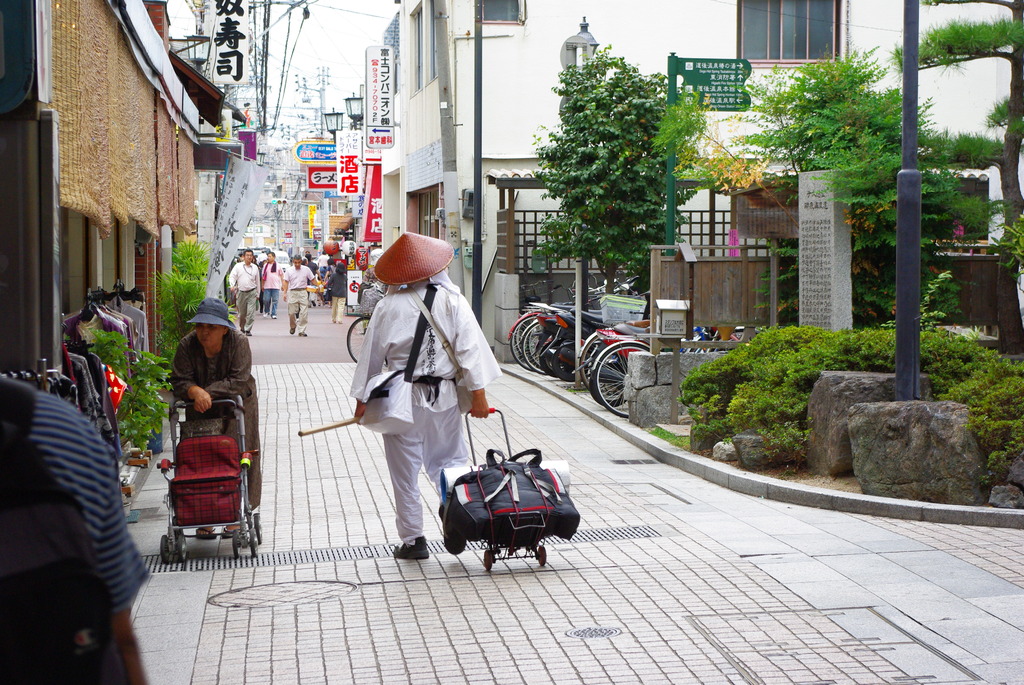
322 177
379 119
720 82
231 42
350 172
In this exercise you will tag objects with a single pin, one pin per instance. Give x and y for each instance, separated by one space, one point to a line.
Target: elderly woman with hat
214 362
435 441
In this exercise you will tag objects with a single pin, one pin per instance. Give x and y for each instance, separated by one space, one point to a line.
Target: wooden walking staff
330 426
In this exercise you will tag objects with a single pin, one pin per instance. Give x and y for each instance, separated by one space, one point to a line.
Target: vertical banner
379 120
231 42
312 220
243 183
374 215
350 148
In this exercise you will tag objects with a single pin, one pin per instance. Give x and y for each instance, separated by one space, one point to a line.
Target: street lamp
354 107
580 47
334 121
195 49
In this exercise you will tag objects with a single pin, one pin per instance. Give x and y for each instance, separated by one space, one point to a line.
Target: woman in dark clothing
214 362
337 286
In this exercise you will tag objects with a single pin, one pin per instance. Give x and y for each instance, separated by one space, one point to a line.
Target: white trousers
433 444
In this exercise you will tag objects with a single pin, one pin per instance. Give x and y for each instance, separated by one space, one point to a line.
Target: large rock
641 372
750 450
1016 475
724 451
828 445
916 450
1007 497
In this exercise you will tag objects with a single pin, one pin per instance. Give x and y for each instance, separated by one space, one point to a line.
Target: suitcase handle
504 426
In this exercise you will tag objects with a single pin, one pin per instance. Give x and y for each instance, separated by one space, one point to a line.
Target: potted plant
142 409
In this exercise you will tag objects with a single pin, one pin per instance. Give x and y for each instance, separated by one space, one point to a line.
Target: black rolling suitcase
511 504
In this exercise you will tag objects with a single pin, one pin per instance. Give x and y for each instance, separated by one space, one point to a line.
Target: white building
522 45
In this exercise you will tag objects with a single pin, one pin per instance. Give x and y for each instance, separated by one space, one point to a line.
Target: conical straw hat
413 257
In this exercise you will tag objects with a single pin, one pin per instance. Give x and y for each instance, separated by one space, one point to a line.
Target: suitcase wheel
488 560
542 555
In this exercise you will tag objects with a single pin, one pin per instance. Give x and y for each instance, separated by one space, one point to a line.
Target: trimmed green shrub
765 385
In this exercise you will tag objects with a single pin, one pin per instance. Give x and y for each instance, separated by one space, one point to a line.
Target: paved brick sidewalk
671 580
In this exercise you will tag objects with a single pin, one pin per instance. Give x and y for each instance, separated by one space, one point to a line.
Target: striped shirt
83 464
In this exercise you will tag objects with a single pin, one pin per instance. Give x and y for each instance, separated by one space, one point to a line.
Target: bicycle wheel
592 347
608 378
529 346
520 338
356 336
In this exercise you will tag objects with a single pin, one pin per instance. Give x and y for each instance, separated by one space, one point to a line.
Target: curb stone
770 488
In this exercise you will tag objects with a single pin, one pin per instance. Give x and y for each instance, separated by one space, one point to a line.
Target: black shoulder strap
421 330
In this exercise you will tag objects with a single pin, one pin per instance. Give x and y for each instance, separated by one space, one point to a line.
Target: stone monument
826 289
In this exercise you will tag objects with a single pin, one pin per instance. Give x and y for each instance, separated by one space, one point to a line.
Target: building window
501 10
432 43
417 48
788 30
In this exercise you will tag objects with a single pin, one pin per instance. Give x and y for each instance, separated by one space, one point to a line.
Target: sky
334 38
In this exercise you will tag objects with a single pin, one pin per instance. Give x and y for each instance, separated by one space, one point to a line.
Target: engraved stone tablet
826 291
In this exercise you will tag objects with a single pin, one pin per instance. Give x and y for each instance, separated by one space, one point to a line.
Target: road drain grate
318 556
635 461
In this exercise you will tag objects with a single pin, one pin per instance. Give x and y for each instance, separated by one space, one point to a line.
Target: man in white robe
435 441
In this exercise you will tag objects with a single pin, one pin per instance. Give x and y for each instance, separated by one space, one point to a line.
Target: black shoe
417 550
249 333
303 335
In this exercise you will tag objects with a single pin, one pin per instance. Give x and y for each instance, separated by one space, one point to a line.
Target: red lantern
331 247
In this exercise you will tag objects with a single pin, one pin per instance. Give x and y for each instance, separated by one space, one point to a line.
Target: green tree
960 41
604 167
179 293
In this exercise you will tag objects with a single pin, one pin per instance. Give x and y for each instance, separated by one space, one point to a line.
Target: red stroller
209 486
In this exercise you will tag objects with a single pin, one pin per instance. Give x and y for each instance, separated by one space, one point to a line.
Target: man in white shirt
296 278
322 263
244 281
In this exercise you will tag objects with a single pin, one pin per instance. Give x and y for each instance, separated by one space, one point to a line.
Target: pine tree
960 41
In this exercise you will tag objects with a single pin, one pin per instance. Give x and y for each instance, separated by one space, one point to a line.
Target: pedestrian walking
272 273
214 362
244 282
297 278
336 287
323 264
414 265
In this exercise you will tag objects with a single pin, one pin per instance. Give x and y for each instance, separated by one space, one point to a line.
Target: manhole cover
277 594
593 633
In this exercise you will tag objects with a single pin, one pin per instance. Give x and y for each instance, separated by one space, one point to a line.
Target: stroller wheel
542 555
236 543
258 527
166 550
253 545
488 560
180 553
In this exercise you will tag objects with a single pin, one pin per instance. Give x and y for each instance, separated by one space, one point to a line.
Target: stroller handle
234 400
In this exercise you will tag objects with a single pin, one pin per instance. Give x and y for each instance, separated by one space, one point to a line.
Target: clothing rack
41 376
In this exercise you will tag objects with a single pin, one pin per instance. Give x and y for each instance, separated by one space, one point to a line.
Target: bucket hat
413 257
212 311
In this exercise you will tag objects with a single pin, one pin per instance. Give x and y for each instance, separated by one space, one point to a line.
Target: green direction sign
720 82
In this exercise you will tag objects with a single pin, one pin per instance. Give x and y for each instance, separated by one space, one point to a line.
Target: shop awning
207 96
